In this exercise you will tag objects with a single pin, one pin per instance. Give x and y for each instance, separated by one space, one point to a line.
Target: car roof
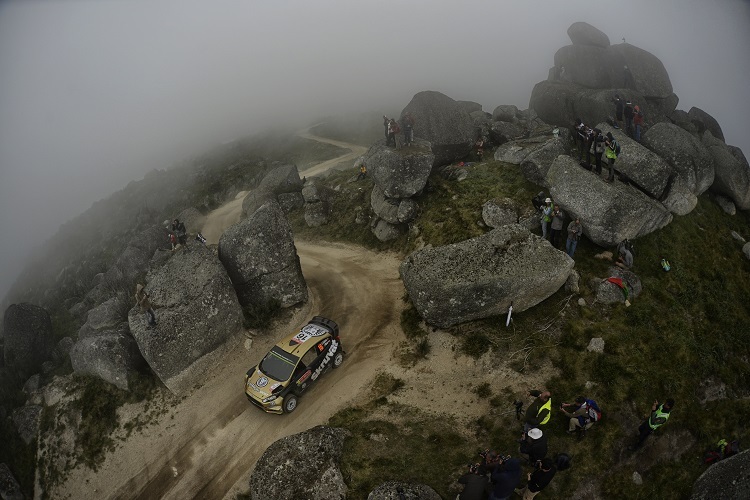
299 343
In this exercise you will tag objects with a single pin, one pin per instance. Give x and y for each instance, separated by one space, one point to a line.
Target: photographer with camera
505 478
534 445
475 484
539 479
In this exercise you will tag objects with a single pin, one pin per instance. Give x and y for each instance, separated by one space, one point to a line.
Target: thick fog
94 94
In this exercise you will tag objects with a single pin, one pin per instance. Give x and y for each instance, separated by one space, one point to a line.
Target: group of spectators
498 476
392 128
552 221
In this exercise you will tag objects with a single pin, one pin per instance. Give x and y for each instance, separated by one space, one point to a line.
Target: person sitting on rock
578 413
624 255
141 299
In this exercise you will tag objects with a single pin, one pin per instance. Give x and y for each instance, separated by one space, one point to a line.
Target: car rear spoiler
329 324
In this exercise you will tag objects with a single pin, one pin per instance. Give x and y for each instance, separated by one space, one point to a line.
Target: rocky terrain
220 306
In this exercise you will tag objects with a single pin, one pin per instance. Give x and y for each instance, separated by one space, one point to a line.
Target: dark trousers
555 237
598 160
644 431
611 162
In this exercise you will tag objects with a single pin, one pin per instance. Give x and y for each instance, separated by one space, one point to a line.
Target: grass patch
260 315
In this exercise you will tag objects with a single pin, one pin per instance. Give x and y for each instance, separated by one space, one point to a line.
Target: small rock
582 302
737 237
746 249
571 284
32 384
589 384
637 479
606 255
248 344
380 438
596 345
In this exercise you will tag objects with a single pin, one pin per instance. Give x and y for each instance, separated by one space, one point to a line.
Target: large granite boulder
399 173
261 259
501 132
728 479
469 106
399 490
304 465
27 330
581 33
198 314
516 151
9 487
682 120
651 174
281 179
384 230
318 203
703 121
392 210
112 356
443 123
106 315
505 113
650 77
482 276
686 154
732 173
585 65
535 166
609 213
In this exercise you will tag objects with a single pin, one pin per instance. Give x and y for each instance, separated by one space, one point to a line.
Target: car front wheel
290 403
338 359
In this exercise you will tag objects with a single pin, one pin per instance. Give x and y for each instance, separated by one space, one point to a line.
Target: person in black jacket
629 113
619 107
475 484
505 478
534 446
539 479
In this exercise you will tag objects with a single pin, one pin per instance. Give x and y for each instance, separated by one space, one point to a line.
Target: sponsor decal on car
304 377
308 332
262 382
326 360
274 386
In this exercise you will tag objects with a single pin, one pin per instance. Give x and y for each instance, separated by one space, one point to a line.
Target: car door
304 370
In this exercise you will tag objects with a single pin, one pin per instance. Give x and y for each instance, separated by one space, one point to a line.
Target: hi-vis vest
657 418
548 407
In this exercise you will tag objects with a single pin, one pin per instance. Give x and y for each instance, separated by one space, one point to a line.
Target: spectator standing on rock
619 107
558 217
658 417
362 172
141 298
408 122
505 478
574 234
178 228
637 122
628 113
624 255
386 121
539 479
598 150
475 484
580 137
538 412
393 130
173 241
534 445
611 151
546 216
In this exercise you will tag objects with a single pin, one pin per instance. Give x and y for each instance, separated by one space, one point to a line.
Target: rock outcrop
26 419
732 173
389 490
581 33
318 203
112 356
444 123
281 179
703 121
9 487
399 173
480 277
609 213
28 337
728 479
106 315
261 259
537 163
304 465
516 152
610 293
498 213
198 314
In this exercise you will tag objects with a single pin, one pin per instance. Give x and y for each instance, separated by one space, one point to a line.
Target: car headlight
270 398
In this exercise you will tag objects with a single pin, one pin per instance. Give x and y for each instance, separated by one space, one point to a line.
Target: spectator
611 151
558 217
386 121
362 172
141 298
638 122
624 255
393 130
475 484
578 415
659 415
534 445
598 150
408 122
538 412
179 229
580 137
505 479
546 217
490 460
539 479
618 110
628 113
574 234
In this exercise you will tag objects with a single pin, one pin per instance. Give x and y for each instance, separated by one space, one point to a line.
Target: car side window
309 357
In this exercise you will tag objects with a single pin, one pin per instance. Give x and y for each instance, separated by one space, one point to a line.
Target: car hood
261 385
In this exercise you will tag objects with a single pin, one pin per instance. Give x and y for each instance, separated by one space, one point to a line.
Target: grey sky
94 94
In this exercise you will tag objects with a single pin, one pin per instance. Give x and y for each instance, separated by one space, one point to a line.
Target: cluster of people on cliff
498 476
392 128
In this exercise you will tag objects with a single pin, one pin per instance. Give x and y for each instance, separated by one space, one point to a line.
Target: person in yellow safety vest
538 412
659 416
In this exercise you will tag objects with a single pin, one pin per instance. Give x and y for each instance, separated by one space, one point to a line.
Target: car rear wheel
290 403
338 359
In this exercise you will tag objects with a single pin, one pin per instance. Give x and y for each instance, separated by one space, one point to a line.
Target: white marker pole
510 312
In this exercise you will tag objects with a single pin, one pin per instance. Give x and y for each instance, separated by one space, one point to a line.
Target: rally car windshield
278 365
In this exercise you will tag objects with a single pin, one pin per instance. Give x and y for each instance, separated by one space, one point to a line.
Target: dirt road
356 152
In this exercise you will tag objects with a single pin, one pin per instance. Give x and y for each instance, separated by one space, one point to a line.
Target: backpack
595 414
617 148
563 461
